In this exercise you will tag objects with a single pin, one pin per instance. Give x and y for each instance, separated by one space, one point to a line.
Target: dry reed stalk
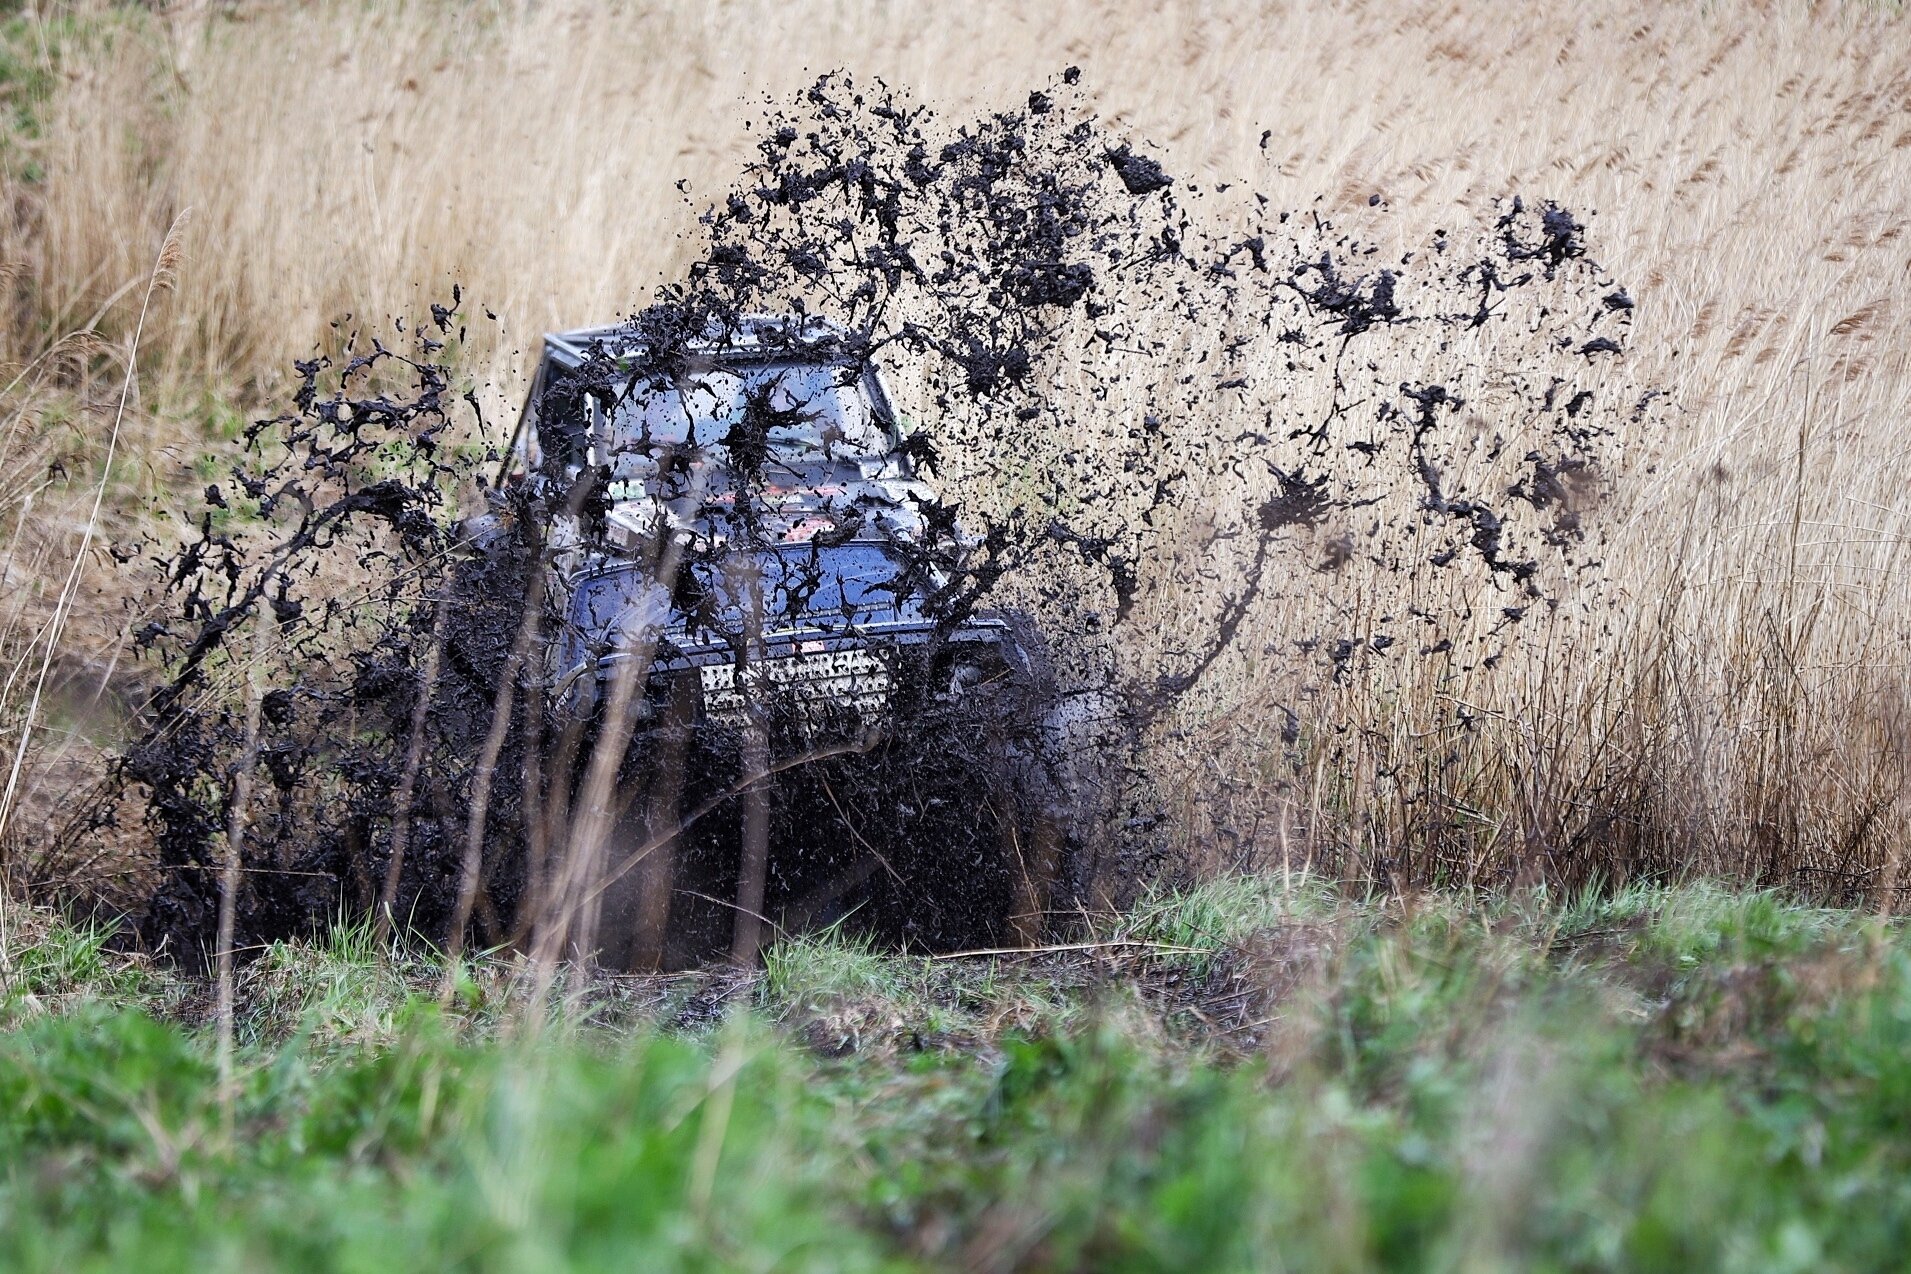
753 858
572 903
162 276
471 866
231 876
1749 163
383 920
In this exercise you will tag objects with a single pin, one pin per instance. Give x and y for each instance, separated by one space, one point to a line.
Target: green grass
1652 1080
1222 913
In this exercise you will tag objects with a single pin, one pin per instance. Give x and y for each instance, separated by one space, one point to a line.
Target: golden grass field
1738 701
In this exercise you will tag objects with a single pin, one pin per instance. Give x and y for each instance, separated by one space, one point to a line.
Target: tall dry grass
1734 699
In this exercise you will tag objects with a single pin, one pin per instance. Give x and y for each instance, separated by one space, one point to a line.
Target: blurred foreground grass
1250 1076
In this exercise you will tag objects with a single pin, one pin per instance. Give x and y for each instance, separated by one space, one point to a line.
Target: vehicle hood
718 604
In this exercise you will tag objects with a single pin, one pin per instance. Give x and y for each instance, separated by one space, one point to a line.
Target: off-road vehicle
736 525
814 580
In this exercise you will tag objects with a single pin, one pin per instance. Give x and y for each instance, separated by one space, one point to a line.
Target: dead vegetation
1730 700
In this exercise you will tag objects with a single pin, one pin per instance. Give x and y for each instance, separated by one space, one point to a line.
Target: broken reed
1739 707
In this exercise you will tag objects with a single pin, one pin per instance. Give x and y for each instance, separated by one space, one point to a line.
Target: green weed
1662 1079
1226 911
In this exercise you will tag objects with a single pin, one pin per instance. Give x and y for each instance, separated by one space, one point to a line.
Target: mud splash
1142 412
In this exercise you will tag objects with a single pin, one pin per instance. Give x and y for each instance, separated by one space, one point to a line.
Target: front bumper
811 674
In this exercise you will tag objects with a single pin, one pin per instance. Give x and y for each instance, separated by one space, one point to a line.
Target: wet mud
1103 370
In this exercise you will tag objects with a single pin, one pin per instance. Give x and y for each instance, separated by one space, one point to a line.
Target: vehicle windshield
784 447
795 415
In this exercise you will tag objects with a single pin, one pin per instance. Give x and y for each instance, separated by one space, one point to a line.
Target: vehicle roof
754 336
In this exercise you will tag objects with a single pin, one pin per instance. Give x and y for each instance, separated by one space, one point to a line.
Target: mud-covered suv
756 518
745 574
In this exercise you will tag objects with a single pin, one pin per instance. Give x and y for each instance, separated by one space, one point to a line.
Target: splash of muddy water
1137 411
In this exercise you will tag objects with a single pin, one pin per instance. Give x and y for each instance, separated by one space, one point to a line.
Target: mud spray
1130 397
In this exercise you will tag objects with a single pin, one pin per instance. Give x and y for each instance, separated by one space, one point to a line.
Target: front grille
815 685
